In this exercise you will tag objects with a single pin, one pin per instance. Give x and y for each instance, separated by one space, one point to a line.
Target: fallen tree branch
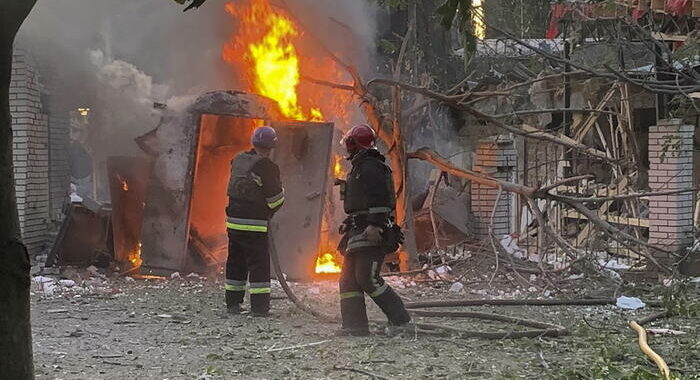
492 236
326 83
487 317
548 188
298 346
514 302
483 179
626 196
653 317
532 133
552 110
618 235
559 331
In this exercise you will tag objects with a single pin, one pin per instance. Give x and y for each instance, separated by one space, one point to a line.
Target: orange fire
267 40
270 52
125 185
135 257
326 263
338 167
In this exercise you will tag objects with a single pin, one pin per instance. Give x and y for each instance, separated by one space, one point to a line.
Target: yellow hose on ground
658 360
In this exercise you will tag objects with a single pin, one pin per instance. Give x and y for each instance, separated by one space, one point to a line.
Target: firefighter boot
354 314
392 305
233 302
260 304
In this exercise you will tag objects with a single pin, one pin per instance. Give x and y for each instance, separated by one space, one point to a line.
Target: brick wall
30 151
671 167
495 157
59 169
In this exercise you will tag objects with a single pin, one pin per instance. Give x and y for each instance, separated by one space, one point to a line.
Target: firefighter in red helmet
369 234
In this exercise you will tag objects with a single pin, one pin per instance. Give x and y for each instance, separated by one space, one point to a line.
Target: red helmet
359 137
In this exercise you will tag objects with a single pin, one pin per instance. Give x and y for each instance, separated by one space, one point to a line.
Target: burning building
183 219
183 213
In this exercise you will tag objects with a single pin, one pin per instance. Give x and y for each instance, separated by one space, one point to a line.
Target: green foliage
618 357
679 300
681 106
689 53
459 12
211 371
387 46
670 147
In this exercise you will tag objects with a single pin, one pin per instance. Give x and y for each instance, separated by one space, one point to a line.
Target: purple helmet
264 137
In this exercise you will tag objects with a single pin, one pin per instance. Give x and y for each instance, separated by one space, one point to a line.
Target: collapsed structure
183 217
167 207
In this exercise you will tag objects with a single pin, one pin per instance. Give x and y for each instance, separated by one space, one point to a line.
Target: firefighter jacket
255 192
369 196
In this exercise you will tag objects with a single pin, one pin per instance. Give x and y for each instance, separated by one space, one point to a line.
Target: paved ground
175 329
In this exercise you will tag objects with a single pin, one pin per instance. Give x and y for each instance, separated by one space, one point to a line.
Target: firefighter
369 234
255 193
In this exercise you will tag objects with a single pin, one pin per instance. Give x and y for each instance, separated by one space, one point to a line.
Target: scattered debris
456 287
665 332
629 303
56 311
298 346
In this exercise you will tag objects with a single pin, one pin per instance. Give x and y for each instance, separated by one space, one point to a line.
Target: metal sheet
303 155
128 181
82 234
166 215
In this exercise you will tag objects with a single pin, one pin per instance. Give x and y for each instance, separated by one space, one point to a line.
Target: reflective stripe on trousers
255 287
235 286
373 275
260 288
351 294
251 225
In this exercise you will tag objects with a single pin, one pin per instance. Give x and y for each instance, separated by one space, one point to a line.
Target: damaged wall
30 146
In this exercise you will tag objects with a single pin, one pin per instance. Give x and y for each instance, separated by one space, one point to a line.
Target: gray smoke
117 57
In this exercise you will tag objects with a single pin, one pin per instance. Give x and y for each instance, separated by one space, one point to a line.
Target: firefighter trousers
248 264
360 276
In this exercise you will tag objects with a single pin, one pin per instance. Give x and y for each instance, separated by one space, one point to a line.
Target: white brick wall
671 167
30 152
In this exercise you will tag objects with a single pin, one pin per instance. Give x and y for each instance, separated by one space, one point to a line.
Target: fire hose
644 346
546 329
287 290
658 360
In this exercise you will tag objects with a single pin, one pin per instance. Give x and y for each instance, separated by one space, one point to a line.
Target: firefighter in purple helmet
255 193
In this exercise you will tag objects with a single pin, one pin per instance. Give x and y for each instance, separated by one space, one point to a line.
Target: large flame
267 40
326 263
270 52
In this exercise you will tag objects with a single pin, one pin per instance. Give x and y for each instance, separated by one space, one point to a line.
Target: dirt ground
121 328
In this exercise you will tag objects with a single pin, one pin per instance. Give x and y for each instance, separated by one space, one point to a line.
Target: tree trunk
15 329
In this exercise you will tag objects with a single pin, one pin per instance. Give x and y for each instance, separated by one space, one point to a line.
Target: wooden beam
637 222
670 37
